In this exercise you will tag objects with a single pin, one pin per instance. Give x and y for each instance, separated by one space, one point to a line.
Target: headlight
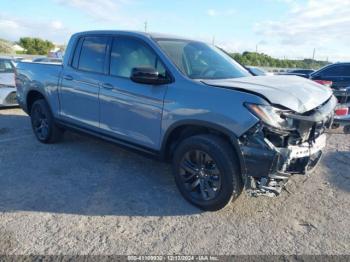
271 116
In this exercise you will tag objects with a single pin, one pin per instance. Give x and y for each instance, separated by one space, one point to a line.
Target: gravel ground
87 196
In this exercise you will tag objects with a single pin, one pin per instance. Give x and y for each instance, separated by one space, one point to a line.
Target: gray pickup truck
186 102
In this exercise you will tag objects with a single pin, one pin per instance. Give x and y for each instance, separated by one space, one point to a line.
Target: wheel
43 124
206 172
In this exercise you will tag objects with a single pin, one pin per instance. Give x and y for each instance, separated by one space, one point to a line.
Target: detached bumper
8 96
266 160
268 167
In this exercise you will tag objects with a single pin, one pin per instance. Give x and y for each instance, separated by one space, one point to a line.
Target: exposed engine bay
291 143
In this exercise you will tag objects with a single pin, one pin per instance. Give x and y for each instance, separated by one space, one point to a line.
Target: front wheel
43 124
206 172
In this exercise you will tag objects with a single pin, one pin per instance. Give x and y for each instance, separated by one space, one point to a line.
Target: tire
43 124
219 177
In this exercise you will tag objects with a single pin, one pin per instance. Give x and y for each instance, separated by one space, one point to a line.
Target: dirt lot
86 196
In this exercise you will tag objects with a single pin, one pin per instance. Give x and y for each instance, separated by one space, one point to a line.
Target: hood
293 92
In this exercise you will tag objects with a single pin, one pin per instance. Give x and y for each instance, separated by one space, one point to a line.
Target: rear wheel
43 124
207 172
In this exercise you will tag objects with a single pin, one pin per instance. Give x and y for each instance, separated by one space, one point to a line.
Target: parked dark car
339 76
302 71
338 73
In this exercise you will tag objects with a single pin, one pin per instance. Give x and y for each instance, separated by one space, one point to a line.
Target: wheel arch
184 129
31 97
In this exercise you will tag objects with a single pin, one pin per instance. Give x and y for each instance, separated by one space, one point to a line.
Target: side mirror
147 75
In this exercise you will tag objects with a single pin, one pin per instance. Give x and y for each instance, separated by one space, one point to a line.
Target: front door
128 110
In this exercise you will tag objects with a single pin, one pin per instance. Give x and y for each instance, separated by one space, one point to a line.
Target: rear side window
92 54
128 53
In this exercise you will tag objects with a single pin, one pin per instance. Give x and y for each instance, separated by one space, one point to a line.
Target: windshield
198 60
6 66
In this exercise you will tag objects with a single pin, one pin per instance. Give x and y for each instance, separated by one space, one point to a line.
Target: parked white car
7 83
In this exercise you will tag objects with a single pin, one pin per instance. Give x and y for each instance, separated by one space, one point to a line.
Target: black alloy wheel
207 171
40 122
43 124
200 175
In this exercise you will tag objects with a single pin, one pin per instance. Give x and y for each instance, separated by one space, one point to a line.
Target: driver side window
128 53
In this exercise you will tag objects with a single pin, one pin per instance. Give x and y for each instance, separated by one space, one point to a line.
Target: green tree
259 59
36 46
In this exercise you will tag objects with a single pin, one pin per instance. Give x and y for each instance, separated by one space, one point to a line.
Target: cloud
57 25
111 11
214 12
12 28
322 24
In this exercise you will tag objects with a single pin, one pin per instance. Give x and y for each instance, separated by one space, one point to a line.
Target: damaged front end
283 143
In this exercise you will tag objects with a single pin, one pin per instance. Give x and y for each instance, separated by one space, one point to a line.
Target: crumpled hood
293 92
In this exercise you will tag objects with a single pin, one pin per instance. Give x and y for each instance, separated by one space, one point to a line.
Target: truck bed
43 77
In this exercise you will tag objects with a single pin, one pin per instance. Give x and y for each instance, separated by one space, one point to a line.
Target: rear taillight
324 82
342 111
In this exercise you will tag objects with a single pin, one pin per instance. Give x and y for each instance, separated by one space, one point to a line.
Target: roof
134 33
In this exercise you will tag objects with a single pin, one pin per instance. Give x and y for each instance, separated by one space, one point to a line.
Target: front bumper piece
271 156
8 96
268 168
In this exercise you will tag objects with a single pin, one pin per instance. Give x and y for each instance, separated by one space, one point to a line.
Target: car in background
257 71
337 76
47 60
302 71
7 83
338 73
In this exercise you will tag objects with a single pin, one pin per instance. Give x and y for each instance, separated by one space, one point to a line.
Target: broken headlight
272 116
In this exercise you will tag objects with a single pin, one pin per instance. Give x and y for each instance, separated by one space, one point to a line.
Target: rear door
128 110
81 80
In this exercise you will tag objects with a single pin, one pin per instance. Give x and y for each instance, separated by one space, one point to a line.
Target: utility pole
213 40
146 24
256 49
313 54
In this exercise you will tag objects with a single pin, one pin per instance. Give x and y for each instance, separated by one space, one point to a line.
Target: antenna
146 24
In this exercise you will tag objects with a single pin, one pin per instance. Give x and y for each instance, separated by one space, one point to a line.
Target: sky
289 29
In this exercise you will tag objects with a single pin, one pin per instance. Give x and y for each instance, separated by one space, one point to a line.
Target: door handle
107 86
68 77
